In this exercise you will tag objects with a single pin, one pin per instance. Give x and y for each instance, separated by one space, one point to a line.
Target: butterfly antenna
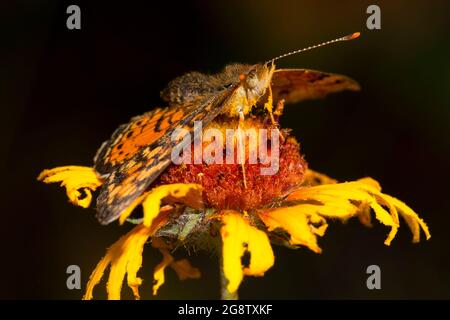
346 38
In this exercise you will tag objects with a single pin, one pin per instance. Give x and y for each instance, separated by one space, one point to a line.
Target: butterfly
139 151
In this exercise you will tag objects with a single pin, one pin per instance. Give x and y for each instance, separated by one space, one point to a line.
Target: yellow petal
128 211
412 219
385 218
296 221
158 274
96 276
370 182
75 179
189 194
122 255
320 231
125 257
342 201
238 237
345 200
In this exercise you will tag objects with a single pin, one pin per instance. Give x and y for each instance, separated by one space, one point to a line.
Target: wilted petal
238 237
297 222
125 256
78 181
342 201
189 194
412 219
158 274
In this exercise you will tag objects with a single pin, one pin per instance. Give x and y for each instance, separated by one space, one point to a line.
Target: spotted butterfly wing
295 85
139 151
129 138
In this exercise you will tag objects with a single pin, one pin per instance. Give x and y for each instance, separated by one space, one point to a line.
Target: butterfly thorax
249 81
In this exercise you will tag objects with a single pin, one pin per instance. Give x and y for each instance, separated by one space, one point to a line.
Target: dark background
63 92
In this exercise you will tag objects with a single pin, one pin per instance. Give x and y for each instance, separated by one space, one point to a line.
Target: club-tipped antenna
346 38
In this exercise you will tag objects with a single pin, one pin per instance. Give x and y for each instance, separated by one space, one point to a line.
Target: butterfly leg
279 108
278 112
269 107
241 146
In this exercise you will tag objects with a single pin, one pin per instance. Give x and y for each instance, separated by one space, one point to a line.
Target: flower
210 207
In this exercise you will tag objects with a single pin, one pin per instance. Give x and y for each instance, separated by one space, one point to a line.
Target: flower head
254 195
208 206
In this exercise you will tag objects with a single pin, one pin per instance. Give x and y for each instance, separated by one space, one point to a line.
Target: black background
64 91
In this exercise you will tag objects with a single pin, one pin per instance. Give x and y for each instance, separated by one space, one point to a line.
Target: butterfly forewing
129 138
146 151
295 85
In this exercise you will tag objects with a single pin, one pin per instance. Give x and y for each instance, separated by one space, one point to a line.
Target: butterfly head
256 81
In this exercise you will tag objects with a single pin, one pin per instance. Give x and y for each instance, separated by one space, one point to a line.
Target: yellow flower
232 209
295 220
216 207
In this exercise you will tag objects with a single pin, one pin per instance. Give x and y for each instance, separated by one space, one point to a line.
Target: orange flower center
223 184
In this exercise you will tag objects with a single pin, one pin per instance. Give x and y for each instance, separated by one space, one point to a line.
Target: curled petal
125 257
79 182
295 222
238 237
158 274
342 201
189 194
412 219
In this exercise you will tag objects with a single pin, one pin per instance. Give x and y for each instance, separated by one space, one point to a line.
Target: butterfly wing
139 151
295 85
129 138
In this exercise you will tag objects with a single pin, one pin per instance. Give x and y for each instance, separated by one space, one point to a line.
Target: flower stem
224 293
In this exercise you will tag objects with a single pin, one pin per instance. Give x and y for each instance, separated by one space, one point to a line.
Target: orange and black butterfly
139 151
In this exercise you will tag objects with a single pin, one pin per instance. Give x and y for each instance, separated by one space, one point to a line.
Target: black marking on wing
113 201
